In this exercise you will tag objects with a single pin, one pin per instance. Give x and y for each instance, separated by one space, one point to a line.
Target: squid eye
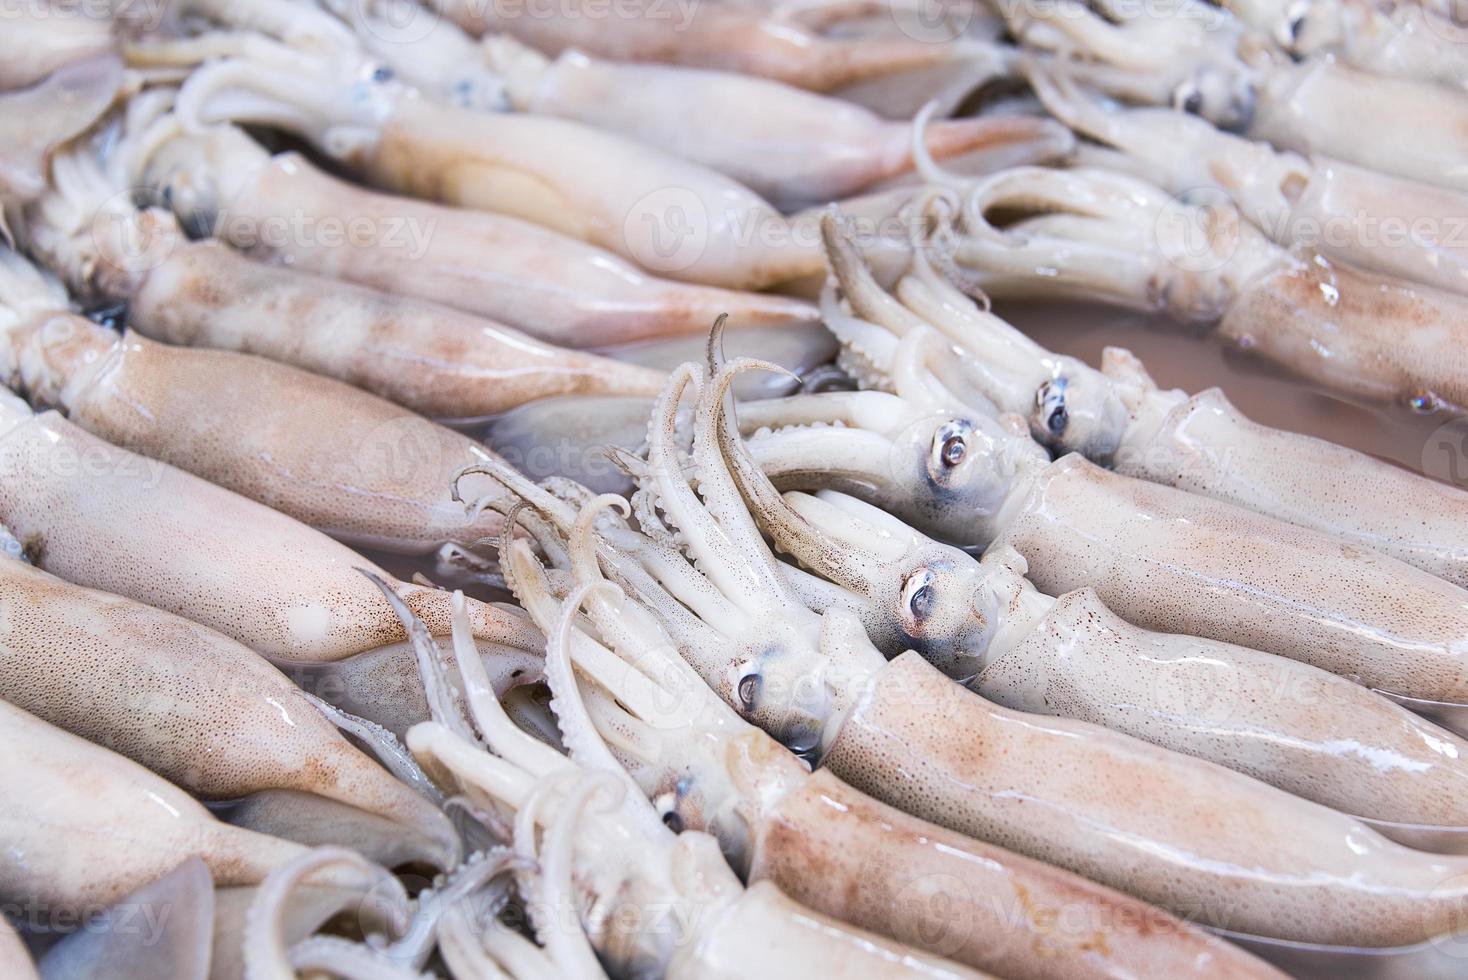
953 451
1058 419
382 74
1192 103
919 593
749 686
673 821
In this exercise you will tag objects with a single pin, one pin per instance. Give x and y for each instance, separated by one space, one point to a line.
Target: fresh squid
37 39
794 148
84 826
1214 66
551 286
1226 573
1118 417
605 859
827 845
669 216
1054 789
221 721
329 454
1109 237
38 120
1374 221
983 624
754 39
14 960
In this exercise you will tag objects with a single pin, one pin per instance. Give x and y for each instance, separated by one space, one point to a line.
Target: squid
1117 416
41 38
36 121
85 826
552 286
222 722
793 148
667 215
331 455
606 859
1054 789
982 623
1218 68
1377 222
827 845
1401 40
769 41
1101 235
163 929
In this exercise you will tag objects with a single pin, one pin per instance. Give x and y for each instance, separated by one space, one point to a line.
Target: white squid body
1321 107
793 147
328 454
431 359
111 520
221 722
753 39
37 39
1180 563
85 826
36 120
1212 844
671 217
549 285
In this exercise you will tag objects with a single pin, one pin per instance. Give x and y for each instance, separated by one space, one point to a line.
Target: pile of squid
511 490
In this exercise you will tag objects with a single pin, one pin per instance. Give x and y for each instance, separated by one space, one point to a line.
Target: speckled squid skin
1211 844
1177 562
672 217
763 933
1278 720
1207 446
220 721
1378 337
84 826
731 37
330 455
837 850
15 962
551 286
437 361
109 519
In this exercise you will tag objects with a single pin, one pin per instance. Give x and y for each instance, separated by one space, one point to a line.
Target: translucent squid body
222 722
1375 221
828 845
1059 790
549 285
1117 416
667 215
41 38
768 40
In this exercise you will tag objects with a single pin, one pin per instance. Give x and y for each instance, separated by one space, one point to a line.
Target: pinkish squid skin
431 359
332 456
551 286
222 722
93 825
1176 562
793 147
108 519
750 39
1065 792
